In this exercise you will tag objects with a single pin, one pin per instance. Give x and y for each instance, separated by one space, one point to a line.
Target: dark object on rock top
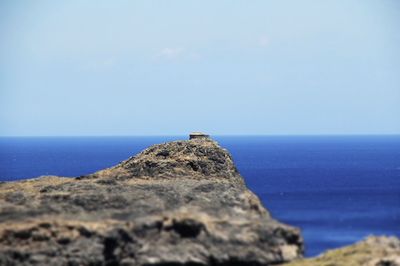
177 203
198 135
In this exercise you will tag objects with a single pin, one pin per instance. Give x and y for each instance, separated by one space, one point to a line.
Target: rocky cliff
178 203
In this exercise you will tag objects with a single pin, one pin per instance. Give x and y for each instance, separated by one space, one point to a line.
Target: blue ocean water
336 189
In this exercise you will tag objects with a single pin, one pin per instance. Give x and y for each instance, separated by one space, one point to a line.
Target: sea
337 189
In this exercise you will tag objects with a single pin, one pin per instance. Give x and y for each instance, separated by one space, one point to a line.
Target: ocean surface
338 190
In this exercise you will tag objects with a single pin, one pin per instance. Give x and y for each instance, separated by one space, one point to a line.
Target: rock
177 203
199 158
198 135
373 251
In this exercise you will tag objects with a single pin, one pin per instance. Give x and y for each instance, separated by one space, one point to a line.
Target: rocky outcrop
373 251
178 203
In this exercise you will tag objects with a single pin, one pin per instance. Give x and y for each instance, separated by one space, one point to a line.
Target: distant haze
223 67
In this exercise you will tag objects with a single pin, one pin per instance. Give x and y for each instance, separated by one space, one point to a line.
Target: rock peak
199 157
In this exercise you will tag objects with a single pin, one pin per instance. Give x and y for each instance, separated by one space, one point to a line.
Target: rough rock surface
373 251
178 203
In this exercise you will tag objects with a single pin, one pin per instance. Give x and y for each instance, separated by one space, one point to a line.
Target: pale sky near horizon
75 68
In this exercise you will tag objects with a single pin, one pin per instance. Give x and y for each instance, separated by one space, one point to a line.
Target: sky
109 68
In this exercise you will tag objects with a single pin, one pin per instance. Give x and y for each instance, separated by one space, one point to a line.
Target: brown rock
373 251
177 203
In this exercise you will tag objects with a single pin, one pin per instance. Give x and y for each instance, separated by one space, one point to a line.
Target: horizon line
212 135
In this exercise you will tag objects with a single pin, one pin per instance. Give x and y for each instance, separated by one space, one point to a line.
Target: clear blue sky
223 67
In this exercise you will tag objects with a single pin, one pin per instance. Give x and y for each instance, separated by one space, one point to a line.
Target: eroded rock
373 251
177 203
